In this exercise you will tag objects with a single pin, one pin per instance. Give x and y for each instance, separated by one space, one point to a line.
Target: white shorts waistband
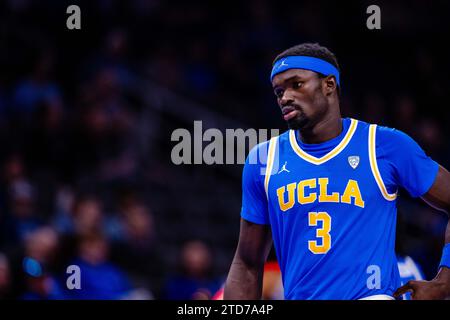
378 297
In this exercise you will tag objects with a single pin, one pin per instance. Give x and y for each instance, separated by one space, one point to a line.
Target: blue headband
307 63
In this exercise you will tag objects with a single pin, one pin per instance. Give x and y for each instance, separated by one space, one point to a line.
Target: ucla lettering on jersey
305 192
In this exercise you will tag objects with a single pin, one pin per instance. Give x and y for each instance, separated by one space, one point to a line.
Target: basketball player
325 193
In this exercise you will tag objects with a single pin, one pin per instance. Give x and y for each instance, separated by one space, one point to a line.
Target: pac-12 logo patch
353 161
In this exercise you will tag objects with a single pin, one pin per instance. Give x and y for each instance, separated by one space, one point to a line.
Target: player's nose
286 99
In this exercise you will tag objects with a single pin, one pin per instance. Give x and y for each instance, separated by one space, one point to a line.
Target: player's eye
297 84
279 93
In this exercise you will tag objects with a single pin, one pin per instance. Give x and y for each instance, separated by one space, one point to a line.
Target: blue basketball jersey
332 207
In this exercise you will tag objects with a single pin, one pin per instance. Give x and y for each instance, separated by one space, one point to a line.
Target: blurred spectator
134 222
135 247
194 282
22 218
86 216
42 245
64 204
100 279
114 57
37 88
41 248
40 285
409 270
13 169
5 278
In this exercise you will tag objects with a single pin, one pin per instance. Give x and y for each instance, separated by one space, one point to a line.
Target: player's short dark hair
311 50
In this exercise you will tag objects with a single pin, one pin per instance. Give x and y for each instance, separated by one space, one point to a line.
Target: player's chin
297 123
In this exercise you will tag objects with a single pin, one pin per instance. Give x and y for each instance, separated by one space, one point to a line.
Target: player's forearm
447 231
443 276
443 279
243 282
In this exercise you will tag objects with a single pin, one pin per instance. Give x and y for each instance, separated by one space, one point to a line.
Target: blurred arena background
86 118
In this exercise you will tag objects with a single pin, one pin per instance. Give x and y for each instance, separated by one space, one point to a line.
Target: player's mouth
289 112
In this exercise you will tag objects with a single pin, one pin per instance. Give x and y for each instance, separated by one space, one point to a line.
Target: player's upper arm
254 199
404 163
439 194
255 241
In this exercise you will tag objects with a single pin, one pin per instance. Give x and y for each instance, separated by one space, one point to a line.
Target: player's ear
329 85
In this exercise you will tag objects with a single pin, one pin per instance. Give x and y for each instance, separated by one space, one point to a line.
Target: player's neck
323 131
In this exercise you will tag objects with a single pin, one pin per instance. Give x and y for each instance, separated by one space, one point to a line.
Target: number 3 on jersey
323 233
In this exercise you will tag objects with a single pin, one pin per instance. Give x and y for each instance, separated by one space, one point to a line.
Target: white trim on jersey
317 161
270 160
374 165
